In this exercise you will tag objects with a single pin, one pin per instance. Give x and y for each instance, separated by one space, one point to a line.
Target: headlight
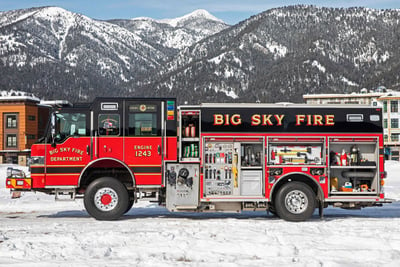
15 173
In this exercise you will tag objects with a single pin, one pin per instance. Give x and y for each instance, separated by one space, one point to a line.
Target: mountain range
277 55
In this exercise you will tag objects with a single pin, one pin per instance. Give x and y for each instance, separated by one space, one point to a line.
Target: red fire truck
288 159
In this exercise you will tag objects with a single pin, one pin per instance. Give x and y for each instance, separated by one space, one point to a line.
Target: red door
69 152
144 140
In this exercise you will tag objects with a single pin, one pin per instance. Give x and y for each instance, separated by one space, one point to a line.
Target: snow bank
36 230
392 186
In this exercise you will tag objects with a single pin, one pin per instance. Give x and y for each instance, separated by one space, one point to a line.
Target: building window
385 138
394 137
11 141
11 121
385 123
385 106
394 106
394 123
31 118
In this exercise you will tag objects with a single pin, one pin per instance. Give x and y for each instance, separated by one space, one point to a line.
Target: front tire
106 199
295 202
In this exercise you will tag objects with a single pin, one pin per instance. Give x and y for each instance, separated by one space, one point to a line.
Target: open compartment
295 151
251 155
233 167
190 135
353 165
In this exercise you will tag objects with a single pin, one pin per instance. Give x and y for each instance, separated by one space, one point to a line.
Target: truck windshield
69 124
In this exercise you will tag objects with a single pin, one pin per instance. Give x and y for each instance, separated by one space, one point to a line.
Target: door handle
159 150
88 149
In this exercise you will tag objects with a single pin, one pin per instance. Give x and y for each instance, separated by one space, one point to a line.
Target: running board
186 207
65 194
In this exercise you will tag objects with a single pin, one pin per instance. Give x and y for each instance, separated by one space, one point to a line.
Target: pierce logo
142 108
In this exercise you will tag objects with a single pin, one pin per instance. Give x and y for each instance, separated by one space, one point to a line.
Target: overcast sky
231 11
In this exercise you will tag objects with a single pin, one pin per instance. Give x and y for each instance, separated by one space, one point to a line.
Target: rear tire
295 202
106 199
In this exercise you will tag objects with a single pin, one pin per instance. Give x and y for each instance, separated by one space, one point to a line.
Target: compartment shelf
190 139
348 143
190 160
352 193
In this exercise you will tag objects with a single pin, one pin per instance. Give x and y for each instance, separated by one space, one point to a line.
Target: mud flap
16 194
321 209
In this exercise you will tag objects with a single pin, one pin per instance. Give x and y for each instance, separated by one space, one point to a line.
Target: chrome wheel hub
296 202
106 199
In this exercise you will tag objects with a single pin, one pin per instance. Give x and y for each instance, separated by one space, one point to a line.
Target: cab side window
70 124
143 121
109 124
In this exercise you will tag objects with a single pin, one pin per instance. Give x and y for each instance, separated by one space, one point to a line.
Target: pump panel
182 181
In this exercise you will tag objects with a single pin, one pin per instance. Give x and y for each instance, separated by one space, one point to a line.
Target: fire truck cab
288 159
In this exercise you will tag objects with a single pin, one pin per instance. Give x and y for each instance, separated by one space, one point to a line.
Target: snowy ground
37 231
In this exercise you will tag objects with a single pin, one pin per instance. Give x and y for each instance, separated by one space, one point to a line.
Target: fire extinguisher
192 130
187 131
343 158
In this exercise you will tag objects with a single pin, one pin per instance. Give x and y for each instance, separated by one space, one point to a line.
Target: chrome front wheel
106 198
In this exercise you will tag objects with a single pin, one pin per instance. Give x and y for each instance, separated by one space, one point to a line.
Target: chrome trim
230 199
270 105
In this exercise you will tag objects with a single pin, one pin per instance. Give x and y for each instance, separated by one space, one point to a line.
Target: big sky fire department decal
56 154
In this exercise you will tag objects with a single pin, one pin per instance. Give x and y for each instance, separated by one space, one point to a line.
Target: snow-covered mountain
56 53
175 34
282 53
199 20
277 55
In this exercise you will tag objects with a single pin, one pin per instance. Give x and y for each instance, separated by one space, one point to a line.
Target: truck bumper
23 184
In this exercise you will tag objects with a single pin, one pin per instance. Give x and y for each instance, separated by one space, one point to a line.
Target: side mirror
53 142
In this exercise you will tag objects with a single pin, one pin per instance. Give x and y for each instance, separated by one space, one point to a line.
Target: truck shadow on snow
147 213
388 211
